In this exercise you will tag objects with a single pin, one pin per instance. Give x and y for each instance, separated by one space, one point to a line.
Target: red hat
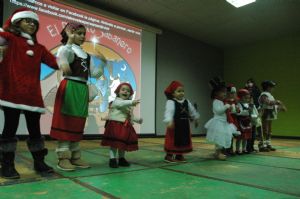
19 14
243 92
171 88
122 84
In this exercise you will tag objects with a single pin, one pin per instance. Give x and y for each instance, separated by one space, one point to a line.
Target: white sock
62 146
112 153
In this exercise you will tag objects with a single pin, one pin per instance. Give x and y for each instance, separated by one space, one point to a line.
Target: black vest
80 67
182 124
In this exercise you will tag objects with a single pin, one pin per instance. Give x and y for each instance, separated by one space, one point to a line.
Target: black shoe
39 163
8 166
246 152
9 172
123 162
271 148
113 163
229 153
42 167
264 149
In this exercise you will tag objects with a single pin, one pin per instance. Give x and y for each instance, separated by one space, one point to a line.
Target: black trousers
11 123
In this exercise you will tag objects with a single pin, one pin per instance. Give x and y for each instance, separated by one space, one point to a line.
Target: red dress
119 132
20 73
231 117
120 135
68 126
244 125
178 139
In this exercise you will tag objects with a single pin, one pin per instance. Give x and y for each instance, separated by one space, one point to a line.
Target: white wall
194 64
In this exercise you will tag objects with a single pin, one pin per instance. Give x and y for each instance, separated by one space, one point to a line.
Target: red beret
243 92
171 88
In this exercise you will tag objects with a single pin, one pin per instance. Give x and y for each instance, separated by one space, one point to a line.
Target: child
179 111
71 103
244 121
219 131
269 108
20 89
231 113
256 122
256 126
119 133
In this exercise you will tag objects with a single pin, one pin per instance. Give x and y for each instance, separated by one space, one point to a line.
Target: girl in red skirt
244 121
119 133
72 98
179 111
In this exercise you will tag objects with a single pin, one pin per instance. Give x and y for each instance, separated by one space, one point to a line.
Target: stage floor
261 175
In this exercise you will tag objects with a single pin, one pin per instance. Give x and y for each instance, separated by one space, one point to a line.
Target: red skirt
65 127
120 135
170 144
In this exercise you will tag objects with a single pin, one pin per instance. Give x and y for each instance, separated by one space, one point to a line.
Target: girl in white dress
219 131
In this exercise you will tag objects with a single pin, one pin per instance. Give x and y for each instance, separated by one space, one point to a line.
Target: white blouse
66 55
170 110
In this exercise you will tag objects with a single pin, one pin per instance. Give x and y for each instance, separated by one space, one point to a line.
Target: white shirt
170 110
120 110
66 55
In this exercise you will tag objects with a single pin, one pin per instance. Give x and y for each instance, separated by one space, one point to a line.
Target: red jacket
20 73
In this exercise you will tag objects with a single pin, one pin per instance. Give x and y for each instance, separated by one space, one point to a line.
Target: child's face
270 89
221 94
124 92
28 26
179 93
249 84
231 95
246 99
79 36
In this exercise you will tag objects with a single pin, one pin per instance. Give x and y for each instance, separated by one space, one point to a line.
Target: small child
219 131
72 98
179 111
20 89
269 108
255 116
119 133
244 121
256 126
231 99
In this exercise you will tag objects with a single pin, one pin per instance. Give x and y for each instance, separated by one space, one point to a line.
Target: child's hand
278 102
227 106
135 102
66 69
140 121
170 125
70 34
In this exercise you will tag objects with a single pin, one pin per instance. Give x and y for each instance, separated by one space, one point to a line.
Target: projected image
116 70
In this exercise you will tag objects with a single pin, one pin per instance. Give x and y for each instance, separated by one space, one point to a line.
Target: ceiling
212 21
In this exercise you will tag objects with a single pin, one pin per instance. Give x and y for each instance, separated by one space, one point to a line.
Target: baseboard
98 137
